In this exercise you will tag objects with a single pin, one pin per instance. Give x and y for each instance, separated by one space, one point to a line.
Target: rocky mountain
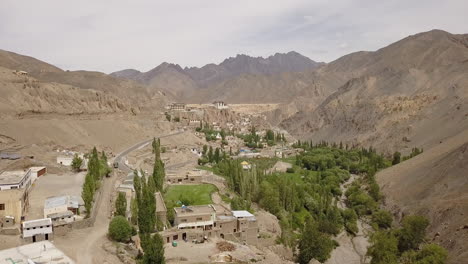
412 93
434 184
207 83
22 95
92 91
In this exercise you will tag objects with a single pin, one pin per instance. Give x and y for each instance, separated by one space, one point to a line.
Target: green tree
350 221
216 156
412 232
384 248
134 210
382 218
314 244
121 205
120 229
153 247
396 158
429 254
76 163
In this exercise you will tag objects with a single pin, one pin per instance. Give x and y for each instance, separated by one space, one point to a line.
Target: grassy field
190 194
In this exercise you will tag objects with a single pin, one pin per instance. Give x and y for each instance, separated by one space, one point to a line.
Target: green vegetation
76 163
121 205
153 246
176 195
144 209
403 245
120 229
314 244
97 168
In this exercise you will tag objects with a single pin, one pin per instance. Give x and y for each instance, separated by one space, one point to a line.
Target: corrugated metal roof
243 214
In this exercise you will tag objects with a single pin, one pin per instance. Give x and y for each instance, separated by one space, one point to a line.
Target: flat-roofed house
37 230
15 179
40 252
13 205
189 177
204 221
37 172
62 204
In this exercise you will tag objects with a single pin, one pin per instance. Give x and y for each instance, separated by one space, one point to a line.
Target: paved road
120 157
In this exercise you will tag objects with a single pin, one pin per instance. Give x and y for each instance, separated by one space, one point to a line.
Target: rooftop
69 200
39 252
36 169
12 177
194 210
242 214
37 222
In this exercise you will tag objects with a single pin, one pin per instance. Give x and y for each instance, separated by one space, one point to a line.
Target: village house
195 176
62 204
13 205
177 107
40 252
204 221
37 172
220 105
37 230
15 180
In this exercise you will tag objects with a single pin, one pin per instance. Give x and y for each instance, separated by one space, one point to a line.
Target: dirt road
86 245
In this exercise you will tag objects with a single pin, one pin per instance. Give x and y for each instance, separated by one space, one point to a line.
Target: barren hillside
434 184
411 93
24 94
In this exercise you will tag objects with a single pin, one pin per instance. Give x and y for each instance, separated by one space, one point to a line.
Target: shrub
382 218
290 170
120 229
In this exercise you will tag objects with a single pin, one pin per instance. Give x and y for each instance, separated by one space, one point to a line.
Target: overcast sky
113 35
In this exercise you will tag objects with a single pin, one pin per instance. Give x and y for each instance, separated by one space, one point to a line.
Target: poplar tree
121 205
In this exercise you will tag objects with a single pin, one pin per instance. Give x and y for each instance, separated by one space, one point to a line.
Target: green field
190 194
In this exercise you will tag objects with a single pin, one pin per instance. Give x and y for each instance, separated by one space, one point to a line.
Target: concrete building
62 204
13 204
204 221
37 172
15 180
40 252
189 177
37 230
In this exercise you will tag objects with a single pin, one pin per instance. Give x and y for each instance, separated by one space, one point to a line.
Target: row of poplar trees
144 208
97 168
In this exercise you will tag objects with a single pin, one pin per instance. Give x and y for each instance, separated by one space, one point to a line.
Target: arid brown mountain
26 95
205 84
129 93
411 93
19 62
434 184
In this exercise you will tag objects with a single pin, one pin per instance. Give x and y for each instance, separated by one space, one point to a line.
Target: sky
111 35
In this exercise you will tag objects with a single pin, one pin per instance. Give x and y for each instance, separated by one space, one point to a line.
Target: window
2 207
199 218
183 220
14 187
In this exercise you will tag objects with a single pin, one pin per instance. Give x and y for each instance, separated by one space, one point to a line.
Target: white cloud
112 35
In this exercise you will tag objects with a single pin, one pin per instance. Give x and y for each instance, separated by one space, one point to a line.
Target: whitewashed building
15 180
37 230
